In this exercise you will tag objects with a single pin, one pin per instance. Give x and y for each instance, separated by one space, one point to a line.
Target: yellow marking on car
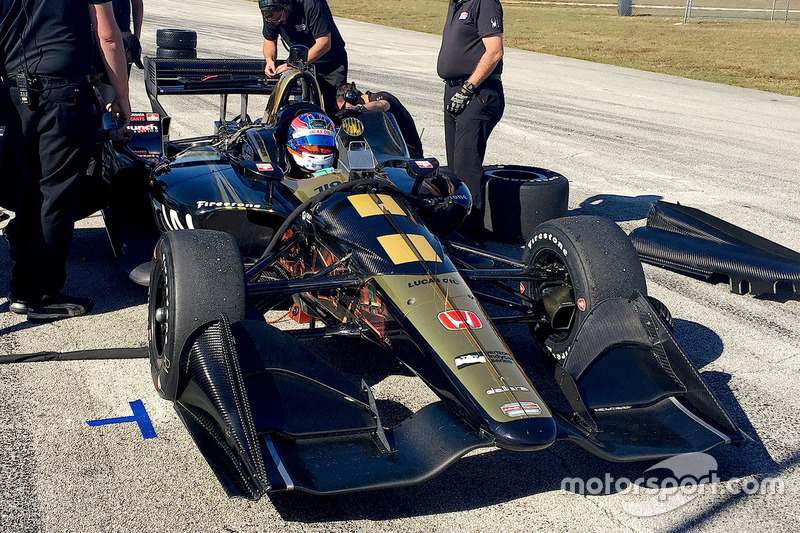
366 206
399 251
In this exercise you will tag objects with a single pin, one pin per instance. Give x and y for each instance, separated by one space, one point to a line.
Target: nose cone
526 434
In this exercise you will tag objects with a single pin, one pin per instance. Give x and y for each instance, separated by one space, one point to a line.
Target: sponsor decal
152 117
427 281
264 167
521 288
548 237
143 128
581 304
459 197
455 320
505 388
469 359
494 22
463 16
516 409
474 358
226 205
424 164
137 117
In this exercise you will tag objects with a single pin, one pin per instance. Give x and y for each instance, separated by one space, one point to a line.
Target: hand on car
350 111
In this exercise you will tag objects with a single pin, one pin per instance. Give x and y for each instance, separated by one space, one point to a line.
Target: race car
361 255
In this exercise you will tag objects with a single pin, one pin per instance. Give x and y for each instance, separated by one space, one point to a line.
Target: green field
758 54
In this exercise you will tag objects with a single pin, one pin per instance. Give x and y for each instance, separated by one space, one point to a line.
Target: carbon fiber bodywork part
693 242
635 394
268 415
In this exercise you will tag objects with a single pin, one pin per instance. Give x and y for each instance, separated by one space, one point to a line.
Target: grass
758 54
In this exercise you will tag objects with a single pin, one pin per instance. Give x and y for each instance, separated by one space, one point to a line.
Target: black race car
362 255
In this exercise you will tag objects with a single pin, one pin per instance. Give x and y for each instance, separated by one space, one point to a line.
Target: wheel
196 276
519 198
176 39
176 53
596 261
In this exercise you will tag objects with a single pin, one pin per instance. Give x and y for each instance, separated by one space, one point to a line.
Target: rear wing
204 76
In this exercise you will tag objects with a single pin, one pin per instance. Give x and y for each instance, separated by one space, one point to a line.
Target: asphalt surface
624 138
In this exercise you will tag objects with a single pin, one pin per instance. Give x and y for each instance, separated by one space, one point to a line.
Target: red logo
581 304
455 320
424 164
521 288
264 167
152 116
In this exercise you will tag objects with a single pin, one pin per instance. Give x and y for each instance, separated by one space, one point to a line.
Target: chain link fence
776 10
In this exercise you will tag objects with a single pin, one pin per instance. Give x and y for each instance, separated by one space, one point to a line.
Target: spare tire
176 39
519 198
176 53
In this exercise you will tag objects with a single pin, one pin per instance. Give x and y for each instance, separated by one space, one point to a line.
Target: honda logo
455 320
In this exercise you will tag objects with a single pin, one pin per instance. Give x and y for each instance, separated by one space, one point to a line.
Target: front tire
197 275
595 260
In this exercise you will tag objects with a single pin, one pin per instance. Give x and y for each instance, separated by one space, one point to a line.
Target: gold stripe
367 207
400 252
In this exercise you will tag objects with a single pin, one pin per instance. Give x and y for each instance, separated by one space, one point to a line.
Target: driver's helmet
311 141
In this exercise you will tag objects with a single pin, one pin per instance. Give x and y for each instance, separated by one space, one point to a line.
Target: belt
40 82
458 82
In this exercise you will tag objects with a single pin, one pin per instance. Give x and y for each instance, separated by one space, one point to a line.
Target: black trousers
328 83
52 140
465 136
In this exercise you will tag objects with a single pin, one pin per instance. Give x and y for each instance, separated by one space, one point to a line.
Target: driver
311 144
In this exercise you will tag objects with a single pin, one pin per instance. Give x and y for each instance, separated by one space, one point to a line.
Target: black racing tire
599 262
197 275
176 39
176 53
519 198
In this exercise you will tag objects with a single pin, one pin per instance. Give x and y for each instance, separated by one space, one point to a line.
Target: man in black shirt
46 99
470 63
308 23
348 97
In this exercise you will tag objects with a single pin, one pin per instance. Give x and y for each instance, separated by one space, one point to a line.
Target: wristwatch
470 88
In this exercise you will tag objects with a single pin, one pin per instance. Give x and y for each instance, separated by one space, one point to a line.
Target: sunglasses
272 14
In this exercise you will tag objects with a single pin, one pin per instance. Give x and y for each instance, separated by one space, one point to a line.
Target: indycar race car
362 254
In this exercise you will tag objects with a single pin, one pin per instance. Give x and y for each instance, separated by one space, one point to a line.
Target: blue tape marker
140 416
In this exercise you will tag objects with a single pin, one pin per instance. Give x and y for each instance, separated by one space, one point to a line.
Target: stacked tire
519 198
176 44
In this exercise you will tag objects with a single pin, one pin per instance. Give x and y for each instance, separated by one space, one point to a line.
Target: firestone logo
654 493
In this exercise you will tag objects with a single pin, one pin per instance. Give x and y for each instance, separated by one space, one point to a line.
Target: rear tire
599 262
196 276
519 198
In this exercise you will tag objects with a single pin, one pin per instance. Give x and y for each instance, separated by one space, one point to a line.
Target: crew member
470 63
124 12
46 98
308 23
350 98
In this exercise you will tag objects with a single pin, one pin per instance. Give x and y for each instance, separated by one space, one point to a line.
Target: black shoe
17 305
59 306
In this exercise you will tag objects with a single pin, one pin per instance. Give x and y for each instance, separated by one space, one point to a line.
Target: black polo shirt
52 37
408 129
467 23
309 20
